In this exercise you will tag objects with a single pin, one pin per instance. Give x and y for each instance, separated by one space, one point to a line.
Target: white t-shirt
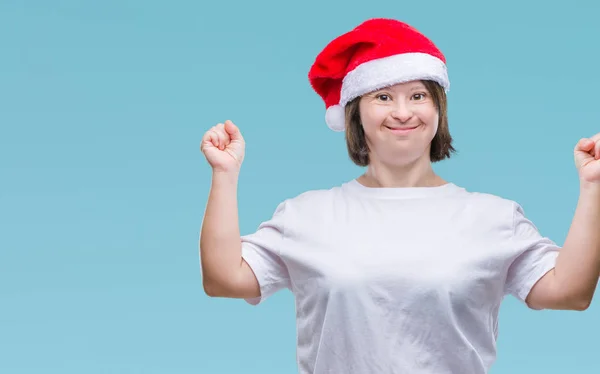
397 280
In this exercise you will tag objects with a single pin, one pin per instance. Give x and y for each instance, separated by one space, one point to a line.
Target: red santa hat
376 54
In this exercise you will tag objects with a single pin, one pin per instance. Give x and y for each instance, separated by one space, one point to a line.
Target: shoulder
491 207
313 199
489 199
313 207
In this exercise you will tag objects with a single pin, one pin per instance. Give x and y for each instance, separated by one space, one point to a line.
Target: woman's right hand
224 147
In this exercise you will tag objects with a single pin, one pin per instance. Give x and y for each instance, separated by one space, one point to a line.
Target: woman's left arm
572 283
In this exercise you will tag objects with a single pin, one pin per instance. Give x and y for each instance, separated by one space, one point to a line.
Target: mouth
401 129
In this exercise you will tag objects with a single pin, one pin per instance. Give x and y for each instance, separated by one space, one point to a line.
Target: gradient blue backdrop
103 186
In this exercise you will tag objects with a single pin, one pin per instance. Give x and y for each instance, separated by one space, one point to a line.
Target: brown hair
441 145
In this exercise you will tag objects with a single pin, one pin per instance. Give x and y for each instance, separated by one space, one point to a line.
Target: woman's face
399 122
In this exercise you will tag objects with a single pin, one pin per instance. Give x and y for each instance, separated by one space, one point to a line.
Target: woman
397 270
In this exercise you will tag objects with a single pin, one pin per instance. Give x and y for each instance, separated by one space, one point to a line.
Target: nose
402 112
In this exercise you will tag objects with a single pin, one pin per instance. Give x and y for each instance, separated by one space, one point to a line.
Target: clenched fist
223 146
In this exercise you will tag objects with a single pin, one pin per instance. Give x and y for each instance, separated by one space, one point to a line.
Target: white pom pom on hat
335 117
377 53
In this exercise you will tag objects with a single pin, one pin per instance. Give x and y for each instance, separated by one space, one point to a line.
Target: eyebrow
418 87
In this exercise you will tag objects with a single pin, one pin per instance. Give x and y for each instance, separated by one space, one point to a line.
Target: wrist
589 188
225 177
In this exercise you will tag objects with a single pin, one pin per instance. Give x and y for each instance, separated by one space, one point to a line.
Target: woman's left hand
587 159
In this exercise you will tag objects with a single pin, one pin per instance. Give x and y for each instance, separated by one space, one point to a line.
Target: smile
401 130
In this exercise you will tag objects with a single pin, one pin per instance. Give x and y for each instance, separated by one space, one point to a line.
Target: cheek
435 123
373 115
430 117
372 120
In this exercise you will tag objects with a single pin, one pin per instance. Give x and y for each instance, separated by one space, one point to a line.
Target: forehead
404 86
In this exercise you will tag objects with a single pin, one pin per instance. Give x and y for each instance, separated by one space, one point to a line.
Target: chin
404 157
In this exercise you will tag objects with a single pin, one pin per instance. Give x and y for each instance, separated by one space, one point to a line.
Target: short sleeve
261 250
535 256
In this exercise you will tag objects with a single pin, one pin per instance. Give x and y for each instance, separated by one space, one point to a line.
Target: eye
383 97
419 96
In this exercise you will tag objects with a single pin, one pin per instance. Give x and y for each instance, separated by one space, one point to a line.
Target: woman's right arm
224 272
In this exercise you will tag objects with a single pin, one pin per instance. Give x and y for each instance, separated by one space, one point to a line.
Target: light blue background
103 186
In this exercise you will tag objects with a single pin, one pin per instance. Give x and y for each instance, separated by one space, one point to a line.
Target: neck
416 174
